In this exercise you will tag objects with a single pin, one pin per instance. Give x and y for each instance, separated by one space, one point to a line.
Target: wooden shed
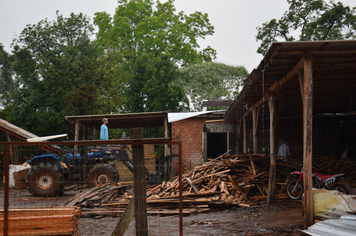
303 91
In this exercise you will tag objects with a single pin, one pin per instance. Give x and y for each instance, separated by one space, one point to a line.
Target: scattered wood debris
229 180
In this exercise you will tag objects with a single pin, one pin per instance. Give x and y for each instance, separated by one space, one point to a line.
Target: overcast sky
235 21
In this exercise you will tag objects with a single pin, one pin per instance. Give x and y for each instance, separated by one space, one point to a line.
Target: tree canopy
140 27
56 68
312 20
6 81
211 80
154 40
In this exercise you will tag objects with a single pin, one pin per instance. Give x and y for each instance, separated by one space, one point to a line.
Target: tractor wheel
102 174
44 180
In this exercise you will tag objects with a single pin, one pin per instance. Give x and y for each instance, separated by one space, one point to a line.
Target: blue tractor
49 173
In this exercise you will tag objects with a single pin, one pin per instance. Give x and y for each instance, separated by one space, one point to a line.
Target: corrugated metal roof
344 226
177 116
334 78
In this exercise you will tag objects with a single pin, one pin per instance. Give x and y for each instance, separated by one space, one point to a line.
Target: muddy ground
282 218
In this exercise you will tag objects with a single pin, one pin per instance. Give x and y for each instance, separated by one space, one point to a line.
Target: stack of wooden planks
42 221
230 180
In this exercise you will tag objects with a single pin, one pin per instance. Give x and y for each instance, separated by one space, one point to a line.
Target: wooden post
139 184
255 118
301 83
125 219
76 136
6 190
244 135
11 148
307 142
166 148
271 198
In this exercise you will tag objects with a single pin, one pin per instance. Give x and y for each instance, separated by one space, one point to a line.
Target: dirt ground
282 218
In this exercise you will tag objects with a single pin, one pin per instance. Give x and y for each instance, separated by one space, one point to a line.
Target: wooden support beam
76 136
255 118
277 85
167 150
6 190
139 184
244 135
307 142
301 83
271 198
125 219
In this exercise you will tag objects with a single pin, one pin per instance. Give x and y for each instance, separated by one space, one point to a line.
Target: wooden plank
193 186
307 143
237 188
125 219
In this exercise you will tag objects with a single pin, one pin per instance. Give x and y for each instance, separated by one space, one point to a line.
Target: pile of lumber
92 199
42 221
230 180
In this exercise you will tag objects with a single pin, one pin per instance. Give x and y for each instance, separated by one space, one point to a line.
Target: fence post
139 184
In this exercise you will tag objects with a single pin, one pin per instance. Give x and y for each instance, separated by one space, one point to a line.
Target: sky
235 21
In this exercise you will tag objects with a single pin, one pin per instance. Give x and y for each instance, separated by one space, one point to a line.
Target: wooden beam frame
307 142
277 85
255 119
244 135
271 197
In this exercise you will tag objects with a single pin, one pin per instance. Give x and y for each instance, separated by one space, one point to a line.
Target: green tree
211 80
313 20
151 88
152 39
56 68
140 27
6 81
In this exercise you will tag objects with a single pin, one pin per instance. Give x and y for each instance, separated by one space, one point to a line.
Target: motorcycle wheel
339 188
294 189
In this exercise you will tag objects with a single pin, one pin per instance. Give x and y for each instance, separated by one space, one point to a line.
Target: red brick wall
189 131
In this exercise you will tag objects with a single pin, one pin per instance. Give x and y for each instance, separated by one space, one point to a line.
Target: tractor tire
44 180
102 174
294 189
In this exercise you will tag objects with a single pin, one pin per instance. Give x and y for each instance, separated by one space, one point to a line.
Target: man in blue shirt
104 132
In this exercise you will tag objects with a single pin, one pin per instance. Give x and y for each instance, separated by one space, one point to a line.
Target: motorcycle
295 185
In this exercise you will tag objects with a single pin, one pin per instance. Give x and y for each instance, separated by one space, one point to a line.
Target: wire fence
109 187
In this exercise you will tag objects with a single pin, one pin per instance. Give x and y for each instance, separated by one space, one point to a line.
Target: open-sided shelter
303 91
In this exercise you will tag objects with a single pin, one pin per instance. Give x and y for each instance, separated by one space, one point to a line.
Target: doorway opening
216 144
